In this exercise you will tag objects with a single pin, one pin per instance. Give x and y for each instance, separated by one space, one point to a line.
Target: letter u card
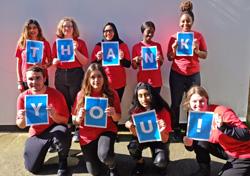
36 109
146 125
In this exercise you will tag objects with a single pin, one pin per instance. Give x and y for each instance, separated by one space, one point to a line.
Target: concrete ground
11 159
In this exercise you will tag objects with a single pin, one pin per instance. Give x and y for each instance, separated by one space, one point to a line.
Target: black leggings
36 147
239 167
99 152
159 150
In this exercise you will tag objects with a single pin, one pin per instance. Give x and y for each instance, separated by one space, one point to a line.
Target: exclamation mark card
199 125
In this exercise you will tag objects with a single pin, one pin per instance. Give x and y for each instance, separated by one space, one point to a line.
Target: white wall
224 23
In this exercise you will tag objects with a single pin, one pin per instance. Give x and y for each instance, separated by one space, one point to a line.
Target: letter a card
34 51
149 55
95 112
110 52
65 50
146 126
185 44
199 125
36 109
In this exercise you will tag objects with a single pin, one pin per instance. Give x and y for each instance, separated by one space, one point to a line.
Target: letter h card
36 109
65 50
146 125
199 125
95 112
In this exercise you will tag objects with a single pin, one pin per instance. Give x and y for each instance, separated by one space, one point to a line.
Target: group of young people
230 138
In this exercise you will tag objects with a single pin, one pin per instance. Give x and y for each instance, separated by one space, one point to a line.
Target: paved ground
11 160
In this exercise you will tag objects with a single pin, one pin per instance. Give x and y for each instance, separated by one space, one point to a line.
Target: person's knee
161 160
31 167
107 159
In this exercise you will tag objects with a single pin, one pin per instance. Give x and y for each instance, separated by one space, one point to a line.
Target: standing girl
97 144
116 74
229 140
146 98
69 75
185 70
31 31
153 77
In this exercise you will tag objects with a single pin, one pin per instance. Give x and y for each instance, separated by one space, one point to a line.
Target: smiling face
96 80
148 34
186 23
198 103
33 31
67 29
108 32
144 98
35 81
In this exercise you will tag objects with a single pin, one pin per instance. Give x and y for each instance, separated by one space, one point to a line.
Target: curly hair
186 7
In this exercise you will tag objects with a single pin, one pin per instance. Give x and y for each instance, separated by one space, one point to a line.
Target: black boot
62 167
204 170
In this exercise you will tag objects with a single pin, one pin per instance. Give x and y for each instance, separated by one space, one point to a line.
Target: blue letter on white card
34 51
149 58
65 50
185 43
199 125
110 53
95 112
146 126
36 109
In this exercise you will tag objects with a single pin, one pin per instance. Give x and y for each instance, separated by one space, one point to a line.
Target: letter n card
149 55
65 50
146 125
36 109
199 125
110 52
34 51
185 43
95 112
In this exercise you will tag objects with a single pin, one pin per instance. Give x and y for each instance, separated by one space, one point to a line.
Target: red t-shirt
162 114
89 134
187 65
153 77
116 74
55 99
233 147
23 65
82 47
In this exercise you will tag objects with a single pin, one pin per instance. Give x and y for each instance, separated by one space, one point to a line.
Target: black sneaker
138 170
62 168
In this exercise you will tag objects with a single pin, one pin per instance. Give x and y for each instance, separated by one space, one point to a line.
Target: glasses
108 30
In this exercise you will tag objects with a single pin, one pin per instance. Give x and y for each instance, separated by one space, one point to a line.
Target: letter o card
185 44
199 125
65 50
36 109
146 126
95 112
34 51
110 52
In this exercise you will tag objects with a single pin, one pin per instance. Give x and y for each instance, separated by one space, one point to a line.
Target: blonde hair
59 32
194 90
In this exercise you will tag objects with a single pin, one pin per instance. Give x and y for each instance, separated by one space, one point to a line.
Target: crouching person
42 136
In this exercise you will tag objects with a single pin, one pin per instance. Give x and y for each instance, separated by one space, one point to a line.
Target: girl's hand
21 114
20 121
187 141
121 54
162 125
218 120
129 124
80 115
196 47
55 61
174 46
110 111
99 55
137 60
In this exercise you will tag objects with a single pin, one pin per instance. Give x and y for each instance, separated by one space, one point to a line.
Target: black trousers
36 147
159 150
233 167
99 152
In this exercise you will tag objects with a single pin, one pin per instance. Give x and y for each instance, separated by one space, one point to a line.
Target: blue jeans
178 85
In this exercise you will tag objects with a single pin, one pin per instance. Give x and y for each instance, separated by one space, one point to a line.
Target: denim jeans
178 85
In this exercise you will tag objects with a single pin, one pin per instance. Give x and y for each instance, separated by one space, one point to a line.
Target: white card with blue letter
34 51
185 44
36 109
65 50
146 125
149 55
199 125
110 52
95 112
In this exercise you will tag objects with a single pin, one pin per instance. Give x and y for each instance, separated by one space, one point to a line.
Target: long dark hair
157 102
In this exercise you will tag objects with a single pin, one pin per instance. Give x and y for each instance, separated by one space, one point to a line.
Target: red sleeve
61 105
159 49
20 102
170 43
75 102
136 51
47 52
203 45
95 50
165 115
82 47
54 51
117 104
124 48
